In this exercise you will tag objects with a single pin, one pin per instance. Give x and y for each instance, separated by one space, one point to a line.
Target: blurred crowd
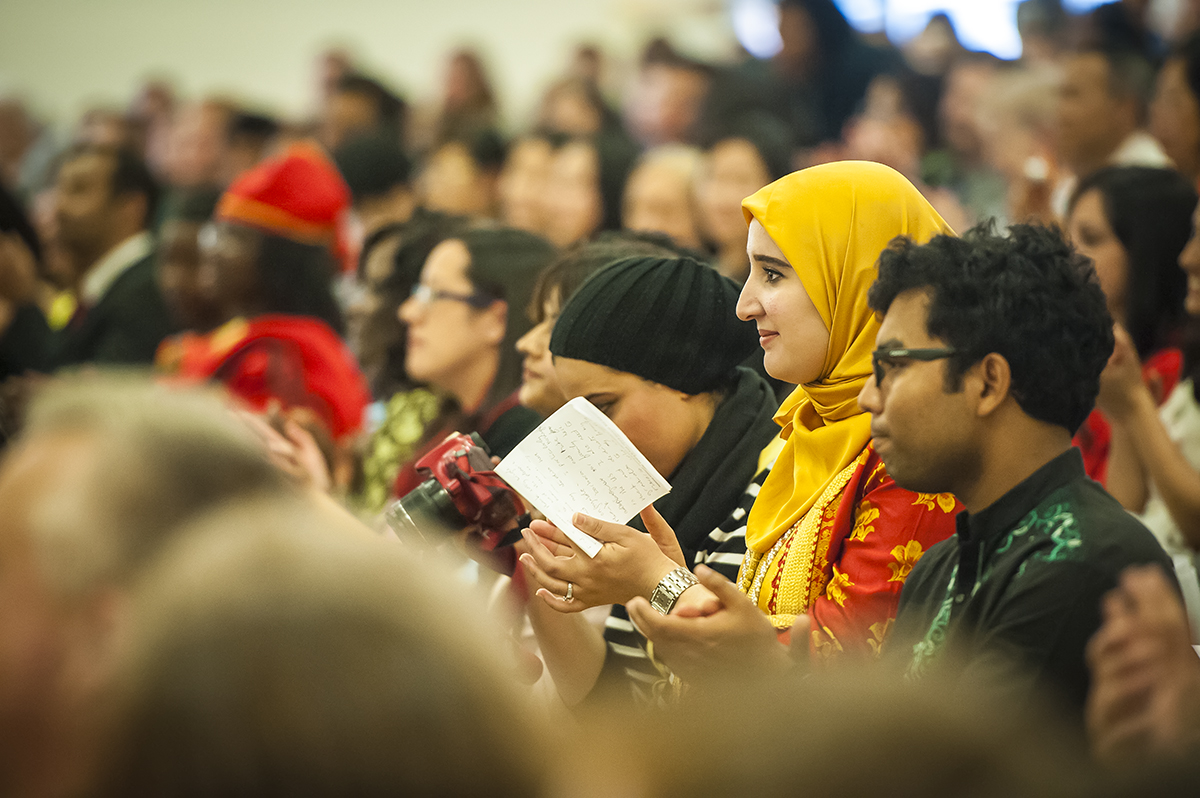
230 341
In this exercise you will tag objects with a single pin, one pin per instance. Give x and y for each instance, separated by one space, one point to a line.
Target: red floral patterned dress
845 562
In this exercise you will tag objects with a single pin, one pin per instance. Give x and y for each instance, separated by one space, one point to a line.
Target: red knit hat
298 194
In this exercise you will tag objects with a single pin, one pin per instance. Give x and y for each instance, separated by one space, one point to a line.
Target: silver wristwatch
667 592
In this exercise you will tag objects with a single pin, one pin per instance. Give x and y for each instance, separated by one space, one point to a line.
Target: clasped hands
1145 677
713 627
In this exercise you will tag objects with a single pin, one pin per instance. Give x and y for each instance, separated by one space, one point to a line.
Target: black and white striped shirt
626 659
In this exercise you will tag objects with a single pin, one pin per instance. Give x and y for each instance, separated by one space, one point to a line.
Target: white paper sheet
578 461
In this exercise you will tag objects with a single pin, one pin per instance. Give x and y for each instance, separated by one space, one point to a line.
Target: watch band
668 590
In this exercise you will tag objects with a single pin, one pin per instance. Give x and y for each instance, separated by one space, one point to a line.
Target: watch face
668 590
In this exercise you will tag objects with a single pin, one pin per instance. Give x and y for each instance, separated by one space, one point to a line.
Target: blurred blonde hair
682 161
854 733
271 656
151 457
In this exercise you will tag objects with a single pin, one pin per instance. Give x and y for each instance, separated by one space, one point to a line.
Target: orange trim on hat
237 208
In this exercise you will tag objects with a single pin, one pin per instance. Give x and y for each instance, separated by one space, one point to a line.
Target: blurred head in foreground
103 470
855 731
271 656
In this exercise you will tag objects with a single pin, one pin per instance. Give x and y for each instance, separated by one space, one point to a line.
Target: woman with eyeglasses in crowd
462 322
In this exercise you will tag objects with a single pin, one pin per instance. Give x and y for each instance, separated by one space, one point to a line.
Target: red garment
878 533
1095 436
868 539
297 361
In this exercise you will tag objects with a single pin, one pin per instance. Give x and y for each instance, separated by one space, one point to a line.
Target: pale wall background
63 55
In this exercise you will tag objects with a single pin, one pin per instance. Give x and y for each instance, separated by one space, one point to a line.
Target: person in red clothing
1133 222
830 539
267 267
275 360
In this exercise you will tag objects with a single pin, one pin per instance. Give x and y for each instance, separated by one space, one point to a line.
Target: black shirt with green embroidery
1009 602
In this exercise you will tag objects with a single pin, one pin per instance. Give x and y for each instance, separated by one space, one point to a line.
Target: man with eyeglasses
988 359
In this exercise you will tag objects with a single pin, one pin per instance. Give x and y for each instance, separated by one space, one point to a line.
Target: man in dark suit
105 199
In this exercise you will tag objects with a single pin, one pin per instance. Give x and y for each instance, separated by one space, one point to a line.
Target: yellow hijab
831 221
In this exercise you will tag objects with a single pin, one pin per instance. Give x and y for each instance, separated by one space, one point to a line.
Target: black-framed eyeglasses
882 357
426 296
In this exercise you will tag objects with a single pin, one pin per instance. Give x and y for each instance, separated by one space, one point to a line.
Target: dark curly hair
1028 296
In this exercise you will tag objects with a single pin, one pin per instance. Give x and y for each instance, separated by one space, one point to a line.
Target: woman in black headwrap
655 345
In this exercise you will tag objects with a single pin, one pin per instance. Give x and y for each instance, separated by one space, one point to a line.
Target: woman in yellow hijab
829 534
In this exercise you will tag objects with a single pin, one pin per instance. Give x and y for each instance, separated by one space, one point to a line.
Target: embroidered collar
1002 515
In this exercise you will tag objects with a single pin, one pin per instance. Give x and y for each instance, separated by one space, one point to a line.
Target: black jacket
124 327
1011 600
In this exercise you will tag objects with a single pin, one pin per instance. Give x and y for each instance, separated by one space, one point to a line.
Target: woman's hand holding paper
630 563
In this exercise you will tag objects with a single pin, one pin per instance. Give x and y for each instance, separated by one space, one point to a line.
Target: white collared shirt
112 265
